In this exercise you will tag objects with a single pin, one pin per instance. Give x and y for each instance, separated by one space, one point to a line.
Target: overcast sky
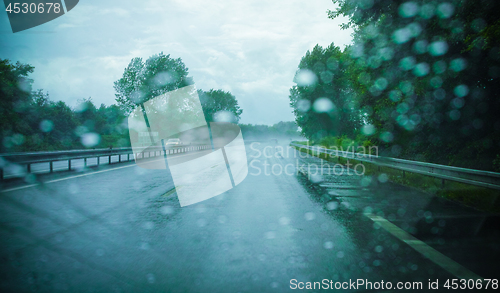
251 48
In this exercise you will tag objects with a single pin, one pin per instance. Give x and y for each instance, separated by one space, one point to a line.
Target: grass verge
480 198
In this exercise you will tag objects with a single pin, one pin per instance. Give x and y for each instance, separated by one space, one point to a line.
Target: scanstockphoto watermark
278 151
260 162
258 167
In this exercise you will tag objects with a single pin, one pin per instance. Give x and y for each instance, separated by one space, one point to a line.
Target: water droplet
406 87
401 36
415 29
46 125
458 64
90 139
148 225
461 90
408 9
386 136
164 78
323 105
151 278
420 47
303 105
439 94
458 102
305 77
381 83
366 181
167 210
436 82
332 205
309 216
383 178
421 69
225 116
284 221
427 11
395 95
438 48
445 10
326 76
368 129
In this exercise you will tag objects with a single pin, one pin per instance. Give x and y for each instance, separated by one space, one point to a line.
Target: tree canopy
219 102
323 100
142 81
30 121
422 78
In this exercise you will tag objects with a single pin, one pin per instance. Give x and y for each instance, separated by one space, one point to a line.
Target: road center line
435 256
82 175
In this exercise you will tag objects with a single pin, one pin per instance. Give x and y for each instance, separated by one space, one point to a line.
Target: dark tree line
30 121
280 130
421 80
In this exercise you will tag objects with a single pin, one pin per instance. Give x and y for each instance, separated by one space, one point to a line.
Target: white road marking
82 175
435 256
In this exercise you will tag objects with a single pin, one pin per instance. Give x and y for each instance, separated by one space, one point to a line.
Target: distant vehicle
173 141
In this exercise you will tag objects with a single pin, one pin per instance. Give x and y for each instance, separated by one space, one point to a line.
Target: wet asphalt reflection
124 231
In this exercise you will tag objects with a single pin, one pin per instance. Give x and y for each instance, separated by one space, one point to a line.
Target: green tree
428 73
219 101
323 100
142 81
15 90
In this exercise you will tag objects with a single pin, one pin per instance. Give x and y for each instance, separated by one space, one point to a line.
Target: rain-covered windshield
249 146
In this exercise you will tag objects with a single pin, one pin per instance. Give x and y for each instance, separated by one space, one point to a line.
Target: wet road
122 230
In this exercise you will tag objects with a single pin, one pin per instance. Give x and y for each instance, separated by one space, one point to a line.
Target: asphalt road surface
120 228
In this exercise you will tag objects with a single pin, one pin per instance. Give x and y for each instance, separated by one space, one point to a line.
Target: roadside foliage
421 80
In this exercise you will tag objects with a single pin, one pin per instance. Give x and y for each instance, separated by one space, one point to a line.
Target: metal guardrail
28 159
463 175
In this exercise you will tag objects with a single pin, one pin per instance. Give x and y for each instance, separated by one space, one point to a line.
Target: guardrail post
98 161
51 166
29 168
109 160
128 157
1 173
119 158
69 165
84 162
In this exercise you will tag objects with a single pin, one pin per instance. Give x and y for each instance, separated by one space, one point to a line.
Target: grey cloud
251 48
